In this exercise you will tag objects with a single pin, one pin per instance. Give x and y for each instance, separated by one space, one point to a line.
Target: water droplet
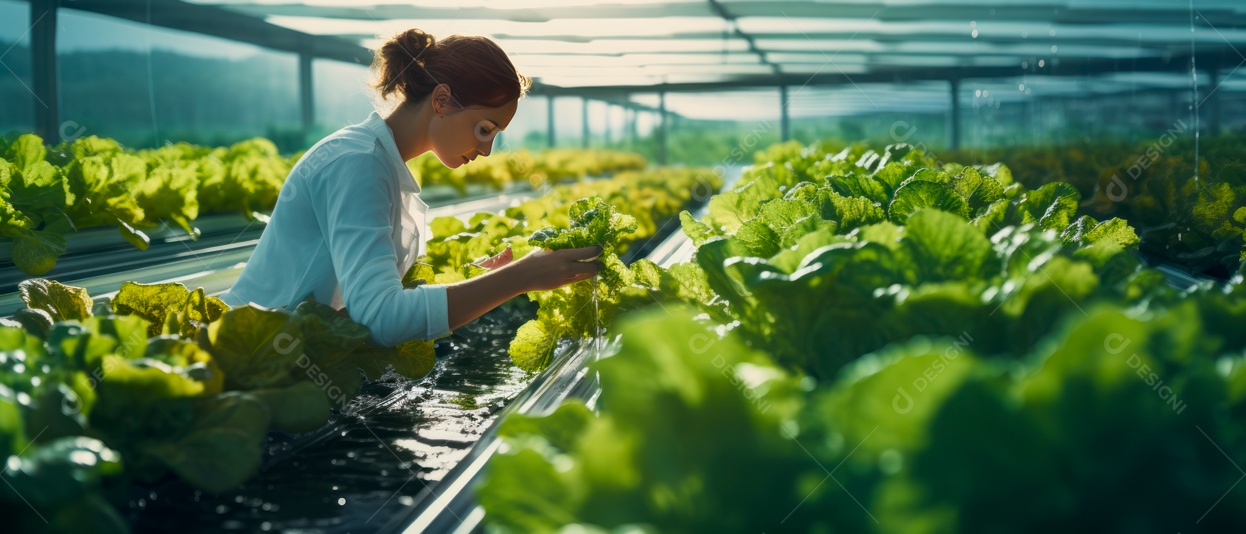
221 509
1055 49
1025 64
1052 32
890 461
341 501
1042 63
266 526
1021 87
975 34
973 24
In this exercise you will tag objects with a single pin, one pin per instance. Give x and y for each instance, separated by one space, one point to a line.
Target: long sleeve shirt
347 225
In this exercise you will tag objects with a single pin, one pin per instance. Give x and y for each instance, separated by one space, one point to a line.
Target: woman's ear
442 100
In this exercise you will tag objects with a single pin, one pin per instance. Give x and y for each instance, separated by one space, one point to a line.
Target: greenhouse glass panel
16 80
145 86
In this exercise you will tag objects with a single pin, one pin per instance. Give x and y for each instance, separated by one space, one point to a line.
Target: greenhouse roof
641 45
768 59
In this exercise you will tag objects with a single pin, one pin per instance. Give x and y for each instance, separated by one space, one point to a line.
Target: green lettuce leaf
917 194
61 302
1052 206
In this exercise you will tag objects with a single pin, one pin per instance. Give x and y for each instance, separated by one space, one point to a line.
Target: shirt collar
386 136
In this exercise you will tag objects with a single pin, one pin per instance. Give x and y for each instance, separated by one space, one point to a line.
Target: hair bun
411 45
412 64
396 57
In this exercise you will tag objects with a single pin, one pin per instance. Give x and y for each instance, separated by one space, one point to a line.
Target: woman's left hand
500 260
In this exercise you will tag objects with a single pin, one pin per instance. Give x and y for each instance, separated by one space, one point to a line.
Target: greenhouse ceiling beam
752 43
544 90
225 24
1123 93
1093 98
1047 11
1070 67
1143 41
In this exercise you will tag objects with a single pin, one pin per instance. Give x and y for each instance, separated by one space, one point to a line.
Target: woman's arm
540 270
345 198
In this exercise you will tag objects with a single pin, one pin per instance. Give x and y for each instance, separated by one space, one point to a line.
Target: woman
349 222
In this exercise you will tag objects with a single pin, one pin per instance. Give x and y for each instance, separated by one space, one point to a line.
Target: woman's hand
502 259
540 270
544 269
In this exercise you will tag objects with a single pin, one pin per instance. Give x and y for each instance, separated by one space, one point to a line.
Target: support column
1213 102
953 131
662 131
43 18
549 115
307 94
609 108
785 117
630 120
1174 105
586 133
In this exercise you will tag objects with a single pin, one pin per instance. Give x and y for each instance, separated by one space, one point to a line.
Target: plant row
873 341
47 193
160 381
1192 216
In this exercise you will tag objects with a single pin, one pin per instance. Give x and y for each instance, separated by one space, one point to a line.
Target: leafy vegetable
1002 367
175 383
654 457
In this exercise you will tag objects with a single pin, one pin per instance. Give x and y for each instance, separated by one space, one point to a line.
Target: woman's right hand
544 269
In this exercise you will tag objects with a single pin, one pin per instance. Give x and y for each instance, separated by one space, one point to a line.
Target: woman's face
467 133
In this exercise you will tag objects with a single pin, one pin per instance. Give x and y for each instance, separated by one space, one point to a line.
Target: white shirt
348 224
